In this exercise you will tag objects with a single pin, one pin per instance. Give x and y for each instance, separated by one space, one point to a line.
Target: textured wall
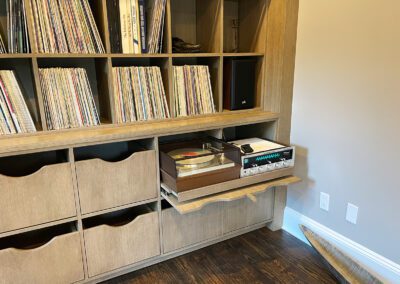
346 118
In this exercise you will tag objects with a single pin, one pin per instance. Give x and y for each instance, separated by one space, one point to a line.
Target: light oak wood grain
209 24
44 196
280 62
59 261
170 255
11 145
279 208
244 192
253 25
180 231
101 17
109 248
104 185
246 212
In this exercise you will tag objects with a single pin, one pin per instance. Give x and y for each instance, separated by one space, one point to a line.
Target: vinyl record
191 157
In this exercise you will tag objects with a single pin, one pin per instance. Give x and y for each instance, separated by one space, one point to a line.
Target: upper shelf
50 140
128 55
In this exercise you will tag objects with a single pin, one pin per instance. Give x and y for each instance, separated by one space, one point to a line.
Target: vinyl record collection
192 90
156 26
68 98
136 26
14 113
2 46
18 40
139 94
62 26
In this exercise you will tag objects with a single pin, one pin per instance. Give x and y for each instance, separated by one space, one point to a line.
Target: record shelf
67 193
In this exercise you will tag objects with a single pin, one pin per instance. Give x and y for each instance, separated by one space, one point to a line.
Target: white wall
346 118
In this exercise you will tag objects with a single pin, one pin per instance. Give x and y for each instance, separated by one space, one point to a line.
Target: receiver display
268 158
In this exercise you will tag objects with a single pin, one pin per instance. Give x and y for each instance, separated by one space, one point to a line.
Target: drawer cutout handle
252 197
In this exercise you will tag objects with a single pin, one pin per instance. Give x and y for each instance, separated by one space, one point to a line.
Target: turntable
197 163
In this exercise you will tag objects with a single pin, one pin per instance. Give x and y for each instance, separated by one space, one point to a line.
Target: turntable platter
191 157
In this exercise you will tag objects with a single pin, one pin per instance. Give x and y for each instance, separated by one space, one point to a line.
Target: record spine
143 25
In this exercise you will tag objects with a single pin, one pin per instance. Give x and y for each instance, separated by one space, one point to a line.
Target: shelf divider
42 112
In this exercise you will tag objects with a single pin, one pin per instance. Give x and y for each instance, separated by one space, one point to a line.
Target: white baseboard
386 269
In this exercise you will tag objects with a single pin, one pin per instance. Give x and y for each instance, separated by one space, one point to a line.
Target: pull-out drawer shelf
229 185
244 192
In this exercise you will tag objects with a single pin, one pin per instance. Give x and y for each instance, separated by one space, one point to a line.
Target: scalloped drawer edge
58 261
39 198
109 248
103 185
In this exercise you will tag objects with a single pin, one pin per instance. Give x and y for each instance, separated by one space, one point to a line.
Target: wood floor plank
261 256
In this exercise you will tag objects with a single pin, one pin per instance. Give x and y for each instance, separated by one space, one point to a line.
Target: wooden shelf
38 227
245 192
50 140
70 55
195 55
243 54
118 55
15 55
146 55
115 209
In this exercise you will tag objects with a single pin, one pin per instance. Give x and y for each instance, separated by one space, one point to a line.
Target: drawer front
245 212
59 261
109 248
42 197
104 185
183 230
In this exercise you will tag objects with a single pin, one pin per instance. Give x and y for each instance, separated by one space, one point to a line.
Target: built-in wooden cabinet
88 204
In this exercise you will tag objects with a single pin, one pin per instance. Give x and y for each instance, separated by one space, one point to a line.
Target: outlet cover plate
352 213
324 201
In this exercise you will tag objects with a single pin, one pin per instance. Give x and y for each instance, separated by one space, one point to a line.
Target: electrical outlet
324 201
352 213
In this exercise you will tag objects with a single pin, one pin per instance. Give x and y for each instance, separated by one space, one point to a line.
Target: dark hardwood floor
261 256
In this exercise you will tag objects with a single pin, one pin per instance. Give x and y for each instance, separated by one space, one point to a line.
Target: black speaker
239 83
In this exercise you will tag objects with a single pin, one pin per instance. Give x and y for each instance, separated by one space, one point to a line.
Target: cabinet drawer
44 196
183 230
109 248
59 261
104 185
245 212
